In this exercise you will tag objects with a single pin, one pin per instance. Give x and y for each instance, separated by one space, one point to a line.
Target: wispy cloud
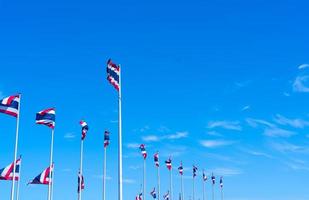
296 123
258 153
156 138
177 135
286 147
303 66
69 136
230 125
215 143
246 108
133 145
214 133
150 138
226 171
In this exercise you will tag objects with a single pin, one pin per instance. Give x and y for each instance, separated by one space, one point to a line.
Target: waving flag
106 139
113 73
143 151
168 164
46 117
139 197
194 171
10 105
81 184
7 172
221 182
166 196
43 178
213 178
180 169
156 159
85 128
153 193
204 176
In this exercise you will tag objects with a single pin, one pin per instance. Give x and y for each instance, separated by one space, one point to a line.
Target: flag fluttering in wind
10 105
85 128
156 159
168 164
46 117
180 169
166 196
113 72
81 184
194 171
106 138
213 178
44 177
221 182
139 196
7 172
153 193
204 176
143 151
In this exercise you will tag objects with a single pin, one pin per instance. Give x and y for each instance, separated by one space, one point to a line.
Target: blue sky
220 84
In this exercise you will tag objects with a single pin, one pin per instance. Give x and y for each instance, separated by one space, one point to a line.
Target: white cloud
278 132
300 84
230 125
226 171
296 123
69 136
150 138
133 145
285 147
177 135
258 153
286 94
215 143
246 108
303 66
214 133
255 122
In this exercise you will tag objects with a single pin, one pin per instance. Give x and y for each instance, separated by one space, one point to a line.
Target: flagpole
158 178
15 150
213 192
221 193
52 183
119 140
181 182
193 192
203 188
144 180
18 183
81 169
51 163
171 184
104 173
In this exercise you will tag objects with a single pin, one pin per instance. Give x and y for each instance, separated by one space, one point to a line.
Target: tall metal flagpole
182 189
171 185
51 164
193 192
203 188
104 174
15 150
18 183
52 184
144 180
221 193
158 175
119 140
81 169
213 192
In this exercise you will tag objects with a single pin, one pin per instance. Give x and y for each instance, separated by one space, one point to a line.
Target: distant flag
143 151
153 193
106 138
168 164
43 178
113 73
194 171
10 105
180 169
221 182
156 159
81 184
204 176
7 172
139 196
46 117
213 178
166 196
85 128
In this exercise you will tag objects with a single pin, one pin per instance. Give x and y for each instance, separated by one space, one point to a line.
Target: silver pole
52 184
158 175
213 192
221 193
182 189
203 189
51 164
81 169
120 140
144 180
193 192
104 174
18 183
15 150
171 185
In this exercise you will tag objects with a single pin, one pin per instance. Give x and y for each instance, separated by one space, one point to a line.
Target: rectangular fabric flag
166 196
213 178
106 138
194 171
168 164
153 193
204 176
156 159
113 74
43 178
221 182
10 105
143 151
81 184
7 172
85 128
180 169
46 117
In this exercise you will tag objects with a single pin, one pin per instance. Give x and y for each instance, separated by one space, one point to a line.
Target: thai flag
213 178
10 105
139 197
43 178
153 193
194 171
81 184
221 182
46 117
113 74
166 196
143 151
156 159
106 139
180 169
168 164
7 172
204 176
85 128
